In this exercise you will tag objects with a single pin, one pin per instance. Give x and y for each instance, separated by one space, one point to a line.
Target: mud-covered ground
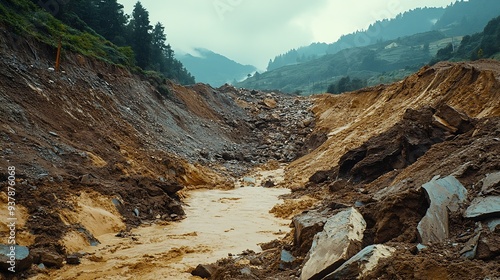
382 178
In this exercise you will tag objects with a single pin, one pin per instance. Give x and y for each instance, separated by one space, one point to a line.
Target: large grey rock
307 225
443 195
15 260
339 241
484 208
362 263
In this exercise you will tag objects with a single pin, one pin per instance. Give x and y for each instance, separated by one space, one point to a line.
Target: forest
144 44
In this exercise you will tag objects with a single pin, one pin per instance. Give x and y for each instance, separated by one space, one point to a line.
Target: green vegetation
387 51
379 63
345 84
480 45
98 29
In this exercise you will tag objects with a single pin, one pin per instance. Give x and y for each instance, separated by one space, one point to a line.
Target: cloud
253 31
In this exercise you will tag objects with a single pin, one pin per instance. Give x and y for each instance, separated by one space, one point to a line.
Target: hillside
458 19
380 63
484 44
214 69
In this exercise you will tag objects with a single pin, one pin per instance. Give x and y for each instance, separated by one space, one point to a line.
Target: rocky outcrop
340 240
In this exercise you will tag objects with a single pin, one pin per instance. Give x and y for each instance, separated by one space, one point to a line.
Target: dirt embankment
351 119
395 154
98 149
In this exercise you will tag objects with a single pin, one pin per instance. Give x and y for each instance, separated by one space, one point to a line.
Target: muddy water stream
218 222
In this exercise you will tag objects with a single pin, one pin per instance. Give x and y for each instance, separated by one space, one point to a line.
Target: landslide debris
99 149
419 160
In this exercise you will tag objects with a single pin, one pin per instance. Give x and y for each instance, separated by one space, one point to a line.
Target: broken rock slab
483 208
339 241
362 263
443 195
307 225
490 182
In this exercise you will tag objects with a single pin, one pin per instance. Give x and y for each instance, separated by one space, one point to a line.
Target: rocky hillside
95 142
398 181
406 184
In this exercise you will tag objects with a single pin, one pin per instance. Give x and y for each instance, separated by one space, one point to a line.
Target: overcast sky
253 31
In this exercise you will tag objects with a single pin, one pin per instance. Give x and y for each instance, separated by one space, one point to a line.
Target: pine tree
141 38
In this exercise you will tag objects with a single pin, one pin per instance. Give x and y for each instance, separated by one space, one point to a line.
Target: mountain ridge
213 68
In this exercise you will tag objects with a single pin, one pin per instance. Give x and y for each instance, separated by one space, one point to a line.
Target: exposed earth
396 181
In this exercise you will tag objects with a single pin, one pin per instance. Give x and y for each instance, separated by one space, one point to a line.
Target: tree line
146 45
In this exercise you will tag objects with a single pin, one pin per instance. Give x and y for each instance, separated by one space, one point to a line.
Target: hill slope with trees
100 29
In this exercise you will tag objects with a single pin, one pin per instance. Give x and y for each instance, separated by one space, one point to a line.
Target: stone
443 195
340 240
361 263
20 258
490 182
320 177
454 118
483 208
488 246
470 248
170 187
204 271
492 224
286 260
49 259
270 102
307 225
73 259
269 184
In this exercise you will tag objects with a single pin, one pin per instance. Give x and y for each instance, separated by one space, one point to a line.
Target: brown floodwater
218 223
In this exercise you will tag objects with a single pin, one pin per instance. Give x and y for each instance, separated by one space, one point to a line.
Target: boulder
50 259
454 118
362 263
340 240
443 195
307 225
19 258
483 208
204 271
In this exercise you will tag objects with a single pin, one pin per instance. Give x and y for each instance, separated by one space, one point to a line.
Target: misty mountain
214 69
458 19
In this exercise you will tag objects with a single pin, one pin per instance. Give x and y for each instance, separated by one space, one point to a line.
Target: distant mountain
214 69
458 19
383 62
